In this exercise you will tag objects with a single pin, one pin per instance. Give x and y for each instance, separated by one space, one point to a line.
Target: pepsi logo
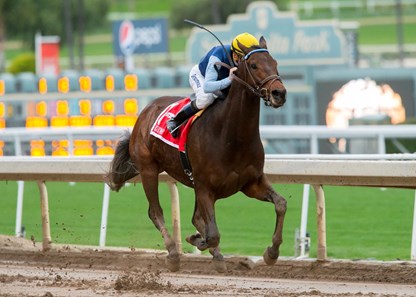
126 38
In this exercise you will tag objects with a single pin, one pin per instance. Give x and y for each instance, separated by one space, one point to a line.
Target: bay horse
224 150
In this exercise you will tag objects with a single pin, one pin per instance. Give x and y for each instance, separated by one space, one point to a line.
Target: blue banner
140 37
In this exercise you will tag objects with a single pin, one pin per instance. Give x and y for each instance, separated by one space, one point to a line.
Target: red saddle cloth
160 131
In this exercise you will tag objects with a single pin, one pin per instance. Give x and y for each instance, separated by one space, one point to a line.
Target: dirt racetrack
25 270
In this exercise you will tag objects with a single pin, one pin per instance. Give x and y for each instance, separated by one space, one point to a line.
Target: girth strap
186 165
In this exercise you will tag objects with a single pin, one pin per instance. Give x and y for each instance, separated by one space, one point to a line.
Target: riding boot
184 114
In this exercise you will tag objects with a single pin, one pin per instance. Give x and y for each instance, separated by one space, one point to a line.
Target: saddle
159 127
160 131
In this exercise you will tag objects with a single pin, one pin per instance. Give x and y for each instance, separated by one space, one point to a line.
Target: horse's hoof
219 265
267 259
173 262
191 238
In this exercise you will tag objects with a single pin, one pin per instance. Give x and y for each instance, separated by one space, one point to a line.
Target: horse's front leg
204 221
150 185
262 190
199 240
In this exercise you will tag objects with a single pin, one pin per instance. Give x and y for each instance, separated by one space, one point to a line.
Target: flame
363 97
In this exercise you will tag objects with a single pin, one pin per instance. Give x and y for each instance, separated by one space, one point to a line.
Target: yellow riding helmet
245 39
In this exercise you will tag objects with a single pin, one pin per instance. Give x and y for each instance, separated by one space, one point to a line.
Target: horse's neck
241 112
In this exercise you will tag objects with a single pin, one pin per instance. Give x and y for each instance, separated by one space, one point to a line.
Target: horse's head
257 70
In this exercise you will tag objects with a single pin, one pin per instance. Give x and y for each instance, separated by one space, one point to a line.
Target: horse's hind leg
262 190
150 182
198 240
218 259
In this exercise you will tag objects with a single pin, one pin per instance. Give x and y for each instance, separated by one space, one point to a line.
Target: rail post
321 220
176 217
104 215
413 248
44 208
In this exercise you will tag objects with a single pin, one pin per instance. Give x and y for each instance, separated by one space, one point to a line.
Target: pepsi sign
140 37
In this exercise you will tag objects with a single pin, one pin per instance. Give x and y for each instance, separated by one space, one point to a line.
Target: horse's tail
122 167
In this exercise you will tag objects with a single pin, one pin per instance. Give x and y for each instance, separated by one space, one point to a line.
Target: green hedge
24 62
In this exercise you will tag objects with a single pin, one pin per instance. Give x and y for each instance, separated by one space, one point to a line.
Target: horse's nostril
279 94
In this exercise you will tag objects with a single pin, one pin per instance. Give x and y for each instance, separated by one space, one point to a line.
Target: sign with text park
289 40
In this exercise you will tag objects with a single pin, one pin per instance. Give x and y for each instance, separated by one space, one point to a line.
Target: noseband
258 89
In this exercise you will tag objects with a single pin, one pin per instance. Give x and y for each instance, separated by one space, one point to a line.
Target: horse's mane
253 47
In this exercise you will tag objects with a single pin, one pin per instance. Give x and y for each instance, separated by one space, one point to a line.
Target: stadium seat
164 77
9 82
26 82
182 76
117 75
144 77
97 78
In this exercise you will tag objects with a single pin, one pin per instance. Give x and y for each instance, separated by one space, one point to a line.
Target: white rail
314 134
316 171
268 133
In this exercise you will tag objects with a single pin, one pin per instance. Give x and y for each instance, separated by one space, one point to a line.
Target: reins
258 88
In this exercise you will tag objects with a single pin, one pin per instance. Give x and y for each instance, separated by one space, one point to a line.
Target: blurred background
385 29
99 62
74 74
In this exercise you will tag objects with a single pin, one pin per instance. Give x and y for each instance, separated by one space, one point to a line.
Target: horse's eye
253 66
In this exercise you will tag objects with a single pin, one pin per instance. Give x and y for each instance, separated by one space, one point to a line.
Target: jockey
208 80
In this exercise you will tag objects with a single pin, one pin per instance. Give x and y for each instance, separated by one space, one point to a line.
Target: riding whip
203 28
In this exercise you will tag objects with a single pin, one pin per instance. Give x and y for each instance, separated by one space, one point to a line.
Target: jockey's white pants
196 80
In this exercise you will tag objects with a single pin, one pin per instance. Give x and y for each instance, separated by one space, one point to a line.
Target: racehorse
224 150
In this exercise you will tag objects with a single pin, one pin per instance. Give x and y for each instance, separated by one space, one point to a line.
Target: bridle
258 89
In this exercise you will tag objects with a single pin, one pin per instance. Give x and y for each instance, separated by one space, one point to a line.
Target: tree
21 19
210 11
2 34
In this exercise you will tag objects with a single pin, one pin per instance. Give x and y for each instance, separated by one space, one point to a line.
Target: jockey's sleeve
211 75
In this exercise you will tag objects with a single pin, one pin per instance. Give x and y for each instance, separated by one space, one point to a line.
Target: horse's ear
263 42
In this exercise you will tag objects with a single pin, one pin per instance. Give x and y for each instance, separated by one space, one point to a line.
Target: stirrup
181 117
